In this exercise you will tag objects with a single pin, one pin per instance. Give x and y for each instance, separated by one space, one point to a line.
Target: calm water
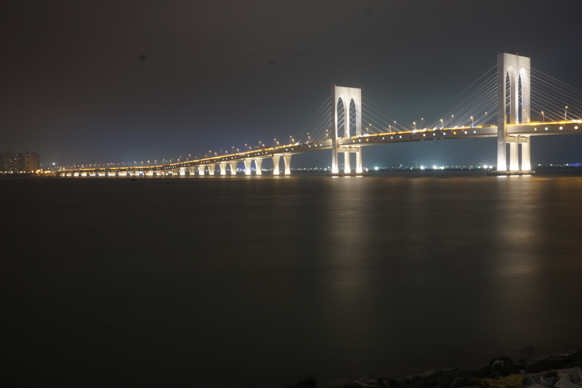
261 282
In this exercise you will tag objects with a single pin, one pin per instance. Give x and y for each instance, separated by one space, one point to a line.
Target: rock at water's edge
515 380
305 383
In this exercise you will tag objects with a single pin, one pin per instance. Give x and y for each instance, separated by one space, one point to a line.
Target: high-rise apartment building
31 162
12 162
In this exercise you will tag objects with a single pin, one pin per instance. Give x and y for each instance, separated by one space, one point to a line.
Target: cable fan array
478 107
553 100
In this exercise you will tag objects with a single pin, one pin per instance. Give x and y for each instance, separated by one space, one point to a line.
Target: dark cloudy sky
218 74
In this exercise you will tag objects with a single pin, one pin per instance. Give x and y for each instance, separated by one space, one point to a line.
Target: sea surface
254 282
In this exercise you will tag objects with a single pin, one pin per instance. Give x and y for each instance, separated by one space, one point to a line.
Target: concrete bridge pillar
247 164
182 171
347 162
276 161
233 165
223 169
287 159
514 155
258 164
526 155
200 170
211 169
359 161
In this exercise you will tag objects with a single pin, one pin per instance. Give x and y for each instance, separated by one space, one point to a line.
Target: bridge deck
529 129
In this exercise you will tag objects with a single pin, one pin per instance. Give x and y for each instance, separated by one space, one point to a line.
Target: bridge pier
359 161
223 169
258 164
182 171
211 169
514 155
347 162
526 155
247 164
233 166
287 159
276 161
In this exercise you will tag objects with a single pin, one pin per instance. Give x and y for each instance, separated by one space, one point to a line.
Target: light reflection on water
261 282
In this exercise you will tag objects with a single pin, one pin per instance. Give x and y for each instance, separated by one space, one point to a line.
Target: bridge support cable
319 132
324 109
557 100
373 114
374 124
385 118
483 87
476 107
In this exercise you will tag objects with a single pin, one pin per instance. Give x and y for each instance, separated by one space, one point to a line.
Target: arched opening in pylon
520 100
507 99
340 118
352 119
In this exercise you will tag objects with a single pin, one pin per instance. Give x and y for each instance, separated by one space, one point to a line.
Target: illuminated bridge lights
485 131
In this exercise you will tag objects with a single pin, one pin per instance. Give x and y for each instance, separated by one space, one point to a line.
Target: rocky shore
552 371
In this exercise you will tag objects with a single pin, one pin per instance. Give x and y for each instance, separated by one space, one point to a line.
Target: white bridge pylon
346 95
518 69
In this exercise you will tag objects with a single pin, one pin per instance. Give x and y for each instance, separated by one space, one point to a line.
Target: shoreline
558 371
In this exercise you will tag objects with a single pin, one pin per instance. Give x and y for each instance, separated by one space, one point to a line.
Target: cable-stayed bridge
511 101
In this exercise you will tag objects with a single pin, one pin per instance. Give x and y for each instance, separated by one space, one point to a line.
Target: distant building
31 162
12 162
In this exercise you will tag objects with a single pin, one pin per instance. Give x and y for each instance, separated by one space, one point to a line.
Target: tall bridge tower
513 71
346 95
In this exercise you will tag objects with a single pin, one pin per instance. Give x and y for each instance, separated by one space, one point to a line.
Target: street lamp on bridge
471 121
566 113
542 117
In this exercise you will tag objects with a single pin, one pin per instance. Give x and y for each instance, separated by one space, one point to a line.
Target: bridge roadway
517 133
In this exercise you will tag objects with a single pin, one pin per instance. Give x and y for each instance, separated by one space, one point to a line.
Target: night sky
109 81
